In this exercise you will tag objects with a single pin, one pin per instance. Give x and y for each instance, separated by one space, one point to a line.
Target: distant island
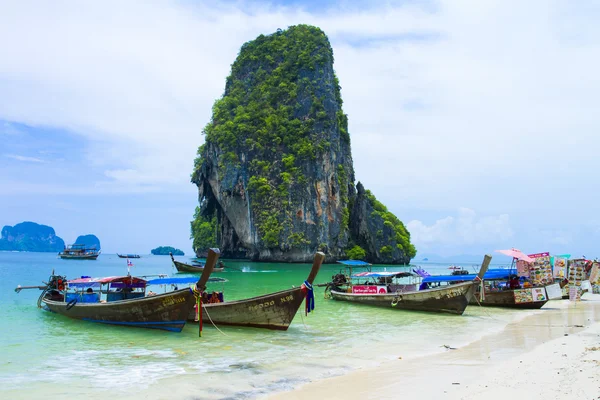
29 236
165 250
90 241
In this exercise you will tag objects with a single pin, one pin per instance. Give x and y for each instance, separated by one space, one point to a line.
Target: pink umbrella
515 253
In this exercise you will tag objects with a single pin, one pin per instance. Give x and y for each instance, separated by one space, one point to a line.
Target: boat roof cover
183 280
354 263
115 281
491 274
381 274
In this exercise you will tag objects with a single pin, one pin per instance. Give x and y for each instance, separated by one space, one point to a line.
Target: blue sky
475 122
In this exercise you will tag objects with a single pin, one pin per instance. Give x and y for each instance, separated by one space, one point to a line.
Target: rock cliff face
29 236
275 176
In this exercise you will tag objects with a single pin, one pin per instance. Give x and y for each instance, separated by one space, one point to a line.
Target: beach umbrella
515 253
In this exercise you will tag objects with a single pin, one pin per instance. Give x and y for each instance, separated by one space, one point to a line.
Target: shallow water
52 355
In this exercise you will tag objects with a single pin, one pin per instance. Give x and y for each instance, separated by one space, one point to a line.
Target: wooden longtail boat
497 292
79 252
510 299
183 267
128 255
271 311
126 302
451 299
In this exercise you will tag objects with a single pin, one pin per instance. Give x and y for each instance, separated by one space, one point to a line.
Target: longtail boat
128 255
383 292
183 267
79 252
270 311
121 300
497 289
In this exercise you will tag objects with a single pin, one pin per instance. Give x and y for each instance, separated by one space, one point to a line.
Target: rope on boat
211 321
302 318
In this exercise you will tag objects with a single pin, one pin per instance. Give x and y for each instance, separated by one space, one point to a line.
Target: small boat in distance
79 252
271 311
183 267
128 255
383 290
121 300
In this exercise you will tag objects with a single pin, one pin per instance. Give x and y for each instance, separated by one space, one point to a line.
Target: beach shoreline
525 358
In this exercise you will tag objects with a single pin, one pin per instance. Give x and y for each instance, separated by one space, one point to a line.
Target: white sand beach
553 354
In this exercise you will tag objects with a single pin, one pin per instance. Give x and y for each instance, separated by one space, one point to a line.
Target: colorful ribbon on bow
307 289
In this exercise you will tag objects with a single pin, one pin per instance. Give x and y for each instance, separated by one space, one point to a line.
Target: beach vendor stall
595 277
500 287
578 274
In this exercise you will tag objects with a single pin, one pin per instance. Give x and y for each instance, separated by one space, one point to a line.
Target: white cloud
24 158
464 229
451 103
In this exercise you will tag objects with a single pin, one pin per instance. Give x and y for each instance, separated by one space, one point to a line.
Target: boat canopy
489 275
354 263
114 281
183 280
382 274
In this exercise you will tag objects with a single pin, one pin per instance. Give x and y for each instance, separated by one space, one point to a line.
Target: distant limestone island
165 250
275 175
89 241
30 236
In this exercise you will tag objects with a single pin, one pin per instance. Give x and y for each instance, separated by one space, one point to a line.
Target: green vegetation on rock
356 253
400 235
203 231
165 250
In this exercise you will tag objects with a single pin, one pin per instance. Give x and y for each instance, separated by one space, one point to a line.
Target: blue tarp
354 263
184 280
490 274
381 274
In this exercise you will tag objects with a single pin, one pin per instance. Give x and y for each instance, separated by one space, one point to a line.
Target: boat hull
451 299
128 256
166 311
182 267
272 311
505 299
79 257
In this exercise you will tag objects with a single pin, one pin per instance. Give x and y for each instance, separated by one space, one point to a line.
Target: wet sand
553 354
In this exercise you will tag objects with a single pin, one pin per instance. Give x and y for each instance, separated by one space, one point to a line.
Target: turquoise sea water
43 354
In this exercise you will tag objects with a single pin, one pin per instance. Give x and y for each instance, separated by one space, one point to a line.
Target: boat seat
83 298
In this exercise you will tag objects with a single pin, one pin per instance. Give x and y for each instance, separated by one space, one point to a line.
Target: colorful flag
129 263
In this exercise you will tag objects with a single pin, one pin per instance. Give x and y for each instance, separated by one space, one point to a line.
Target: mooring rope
211 321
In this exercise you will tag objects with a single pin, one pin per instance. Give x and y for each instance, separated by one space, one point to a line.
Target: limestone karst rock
275 176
